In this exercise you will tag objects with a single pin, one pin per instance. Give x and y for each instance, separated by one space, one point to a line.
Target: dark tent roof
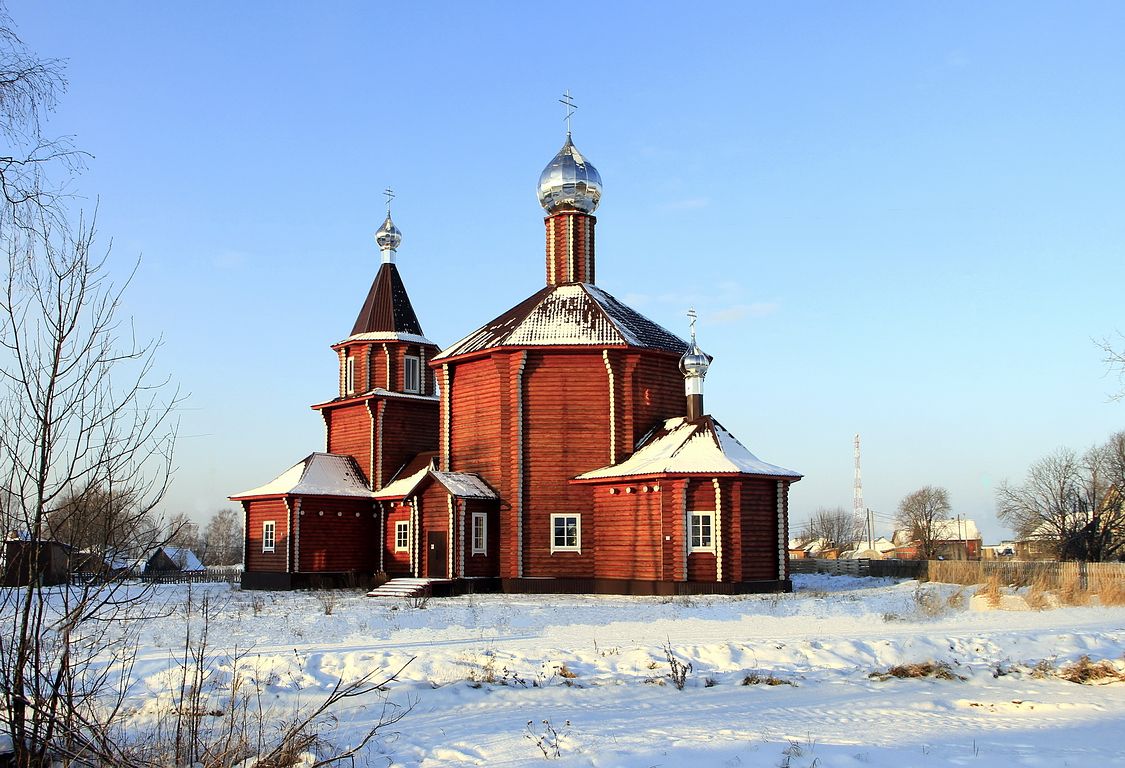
387 308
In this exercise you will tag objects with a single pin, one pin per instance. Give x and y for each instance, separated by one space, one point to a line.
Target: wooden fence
1048 574
905 569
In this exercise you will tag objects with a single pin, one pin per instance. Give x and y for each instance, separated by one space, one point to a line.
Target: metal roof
318 474
682 447
387 307
574 314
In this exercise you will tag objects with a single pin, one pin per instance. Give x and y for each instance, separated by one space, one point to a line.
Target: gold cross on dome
568 102
390 195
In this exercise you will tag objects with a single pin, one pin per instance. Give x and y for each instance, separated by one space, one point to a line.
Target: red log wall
337 535
257 512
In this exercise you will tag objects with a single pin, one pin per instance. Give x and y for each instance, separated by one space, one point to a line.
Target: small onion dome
388 237
694 363
570 182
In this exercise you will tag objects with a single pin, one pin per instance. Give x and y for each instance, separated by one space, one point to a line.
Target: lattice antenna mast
858 510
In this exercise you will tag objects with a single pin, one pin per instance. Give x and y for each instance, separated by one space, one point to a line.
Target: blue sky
898 219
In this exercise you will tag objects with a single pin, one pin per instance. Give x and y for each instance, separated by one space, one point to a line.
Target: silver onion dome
388 236
694 363
570 182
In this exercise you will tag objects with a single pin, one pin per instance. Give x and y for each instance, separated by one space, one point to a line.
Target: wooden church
561 447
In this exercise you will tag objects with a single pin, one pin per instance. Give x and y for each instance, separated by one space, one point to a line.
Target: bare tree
86 423
1115 362
182 532
835 528
1071 503
222 539
921 513
29 89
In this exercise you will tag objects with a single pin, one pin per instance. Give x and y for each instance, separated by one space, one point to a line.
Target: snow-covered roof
460 484
578 314
401 487
183 557
464 485
943 530
409 338
318 474
682 447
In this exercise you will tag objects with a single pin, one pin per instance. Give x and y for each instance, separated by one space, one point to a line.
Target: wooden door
436 555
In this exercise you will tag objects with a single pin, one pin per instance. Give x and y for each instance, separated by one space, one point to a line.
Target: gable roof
682 447
387 308
182 557
408 477
574 314
943 530
463 485
318 474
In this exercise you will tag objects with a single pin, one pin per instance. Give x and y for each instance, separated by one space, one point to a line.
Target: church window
480 533
702 525
411 374
349 376
269 535
566 533
402 535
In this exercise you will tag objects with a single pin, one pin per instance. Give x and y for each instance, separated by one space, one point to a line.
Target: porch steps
404 588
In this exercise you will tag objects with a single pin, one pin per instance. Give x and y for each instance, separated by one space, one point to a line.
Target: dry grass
964 572
565 672
1037 599
956 601
991 590
936 669
769 679
1071 592
1111 591
1086 671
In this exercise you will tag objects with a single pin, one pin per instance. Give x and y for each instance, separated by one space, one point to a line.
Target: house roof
183 557
682 447
387 308
408 477
318 474
463 485
574 314
943 530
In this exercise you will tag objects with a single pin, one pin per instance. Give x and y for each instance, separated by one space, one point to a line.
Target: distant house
43 562
168 559
953 540
878 549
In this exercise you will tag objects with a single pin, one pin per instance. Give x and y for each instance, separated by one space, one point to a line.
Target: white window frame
402 536
709 516
411 373
564 547
349 375
269 536
479 531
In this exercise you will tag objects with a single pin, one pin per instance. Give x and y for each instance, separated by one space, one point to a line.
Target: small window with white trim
702 536
269 536
349 376
480 533
566 533
402 535
411 374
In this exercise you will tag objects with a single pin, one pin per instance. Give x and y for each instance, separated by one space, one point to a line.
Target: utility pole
859 515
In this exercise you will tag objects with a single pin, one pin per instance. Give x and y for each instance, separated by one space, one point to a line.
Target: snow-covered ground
596 670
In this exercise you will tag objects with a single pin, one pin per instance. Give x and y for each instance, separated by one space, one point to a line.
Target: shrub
678 670
1086 671
938 669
